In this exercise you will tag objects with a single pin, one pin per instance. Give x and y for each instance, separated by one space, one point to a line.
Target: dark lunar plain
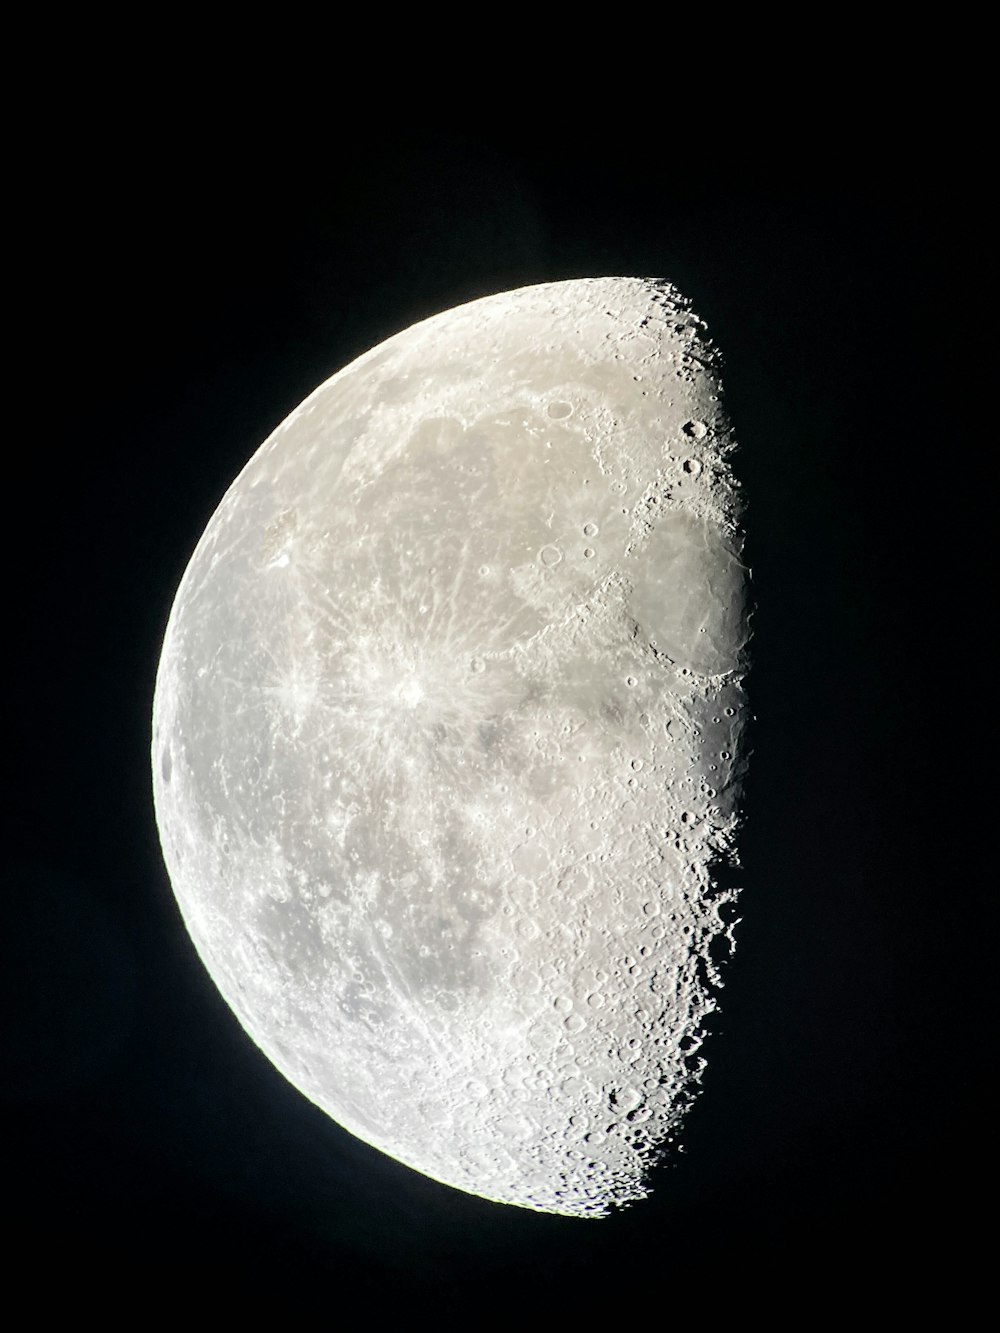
185 299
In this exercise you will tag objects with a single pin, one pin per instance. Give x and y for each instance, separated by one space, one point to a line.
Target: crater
689 594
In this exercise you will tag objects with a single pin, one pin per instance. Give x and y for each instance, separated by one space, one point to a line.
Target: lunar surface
447 739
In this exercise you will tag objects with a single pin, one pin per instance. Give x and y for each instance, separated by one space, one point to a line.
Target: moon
448 739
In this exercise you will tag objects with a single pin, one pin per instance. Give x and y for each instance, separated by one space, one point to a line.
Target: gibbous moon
447 739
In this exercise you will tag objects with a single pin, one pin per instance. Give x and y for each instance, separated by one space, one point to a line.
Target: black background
186 298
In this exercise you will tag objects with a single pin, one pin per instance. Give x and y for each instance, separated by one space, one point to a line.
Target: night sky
188 299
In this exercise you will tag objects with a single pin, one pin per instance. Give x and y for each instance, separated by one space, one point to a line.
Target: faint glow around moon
447 739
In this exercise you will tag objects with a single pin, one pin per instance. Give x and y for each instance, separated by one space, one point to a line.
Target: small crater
166 764
697 430
550 556
588 553
590 529
692 467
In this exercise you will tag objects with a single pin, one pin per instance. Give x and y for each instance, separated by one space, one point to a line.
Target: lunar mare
447 739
